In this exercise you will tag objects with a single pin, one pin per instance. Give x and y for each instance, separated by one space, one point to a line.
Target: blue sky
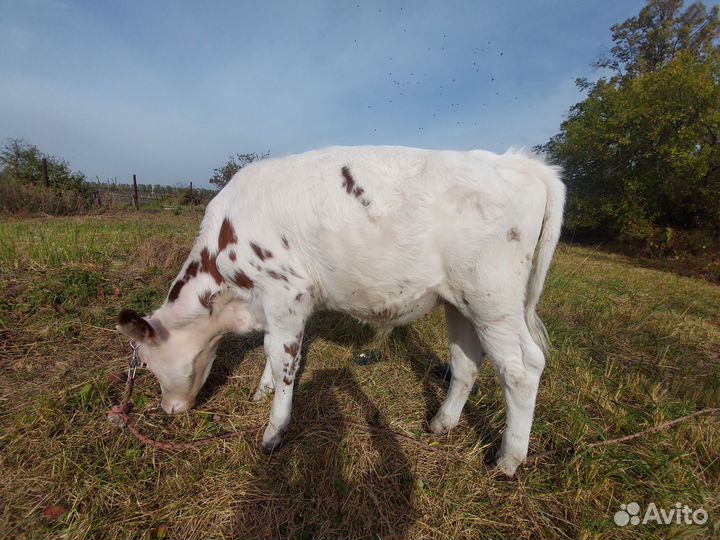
168 89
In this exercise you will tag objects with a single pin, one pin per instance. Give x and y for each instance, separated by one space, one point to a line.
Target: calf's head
179 356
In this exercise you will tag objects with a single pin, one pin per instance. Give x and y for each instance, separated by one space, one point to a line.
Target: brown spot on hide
352 188
205 300
208 264
190 272
292 349
241 279
348 180
513 235
175 291
285 242
275 275
232 255
260 252
192 269
227 235
358 191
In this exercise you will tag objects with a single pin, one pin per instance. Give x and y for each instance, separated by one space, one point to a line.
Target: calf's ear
135 326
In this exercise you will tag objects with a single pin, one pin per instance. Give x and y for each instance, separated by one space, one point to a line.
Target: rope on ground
119 416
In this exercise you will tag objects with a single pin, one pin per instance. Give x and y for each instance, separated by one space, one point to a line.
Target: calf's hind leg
466 354
518 362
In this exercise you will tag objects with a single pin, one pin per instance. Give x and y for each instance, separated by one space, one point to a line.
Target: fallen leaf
53 511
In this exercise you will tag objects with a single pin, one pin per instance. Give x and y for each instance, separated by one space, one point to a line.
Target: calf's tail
549 236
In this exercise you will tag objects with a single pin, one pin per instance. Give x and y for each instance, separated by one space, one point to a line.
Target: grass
633 347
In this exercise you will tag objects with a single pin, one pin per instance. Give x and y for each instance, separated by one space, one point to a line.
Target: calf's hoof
271 440
508 464
261 393
268 448
441 423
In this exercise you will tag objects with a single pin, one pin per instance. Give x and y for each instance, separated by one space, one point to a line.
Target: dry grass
634 347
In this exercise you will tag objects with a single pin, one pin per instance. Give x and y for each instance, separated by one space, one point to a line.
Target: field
633 347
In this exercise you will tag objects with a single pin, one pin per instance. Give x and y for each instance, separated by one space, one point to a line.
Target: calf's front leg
282 346
267 384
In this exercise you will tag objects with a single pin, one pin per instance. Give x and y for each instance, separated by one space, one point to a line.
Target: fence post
46 178
135 195
192 202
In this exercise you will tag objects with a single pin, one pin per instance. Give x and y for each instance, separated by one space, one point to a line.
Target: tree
22 182
646 43
223 174
22 162
642 150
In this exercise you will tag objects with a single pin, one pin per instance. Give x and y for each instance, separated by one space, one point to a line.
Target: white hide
384 234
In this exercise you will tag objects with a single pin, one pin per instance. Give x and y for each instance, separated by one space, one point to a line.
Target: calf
384 234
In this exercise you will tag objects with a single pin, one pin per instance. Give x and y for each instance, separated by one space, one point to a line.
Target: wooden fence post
192 203
135 195
46 178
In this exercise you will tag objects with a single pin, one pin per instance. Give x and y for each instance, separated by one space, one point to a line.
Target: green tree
21 162
222 175
642 149
646 43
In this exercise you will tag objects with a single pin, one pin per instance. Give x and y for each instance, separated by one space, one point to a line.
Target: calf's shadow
328 478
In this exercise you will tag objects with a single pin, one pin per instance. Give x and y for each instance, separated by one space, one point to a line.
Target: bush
17 197
22 182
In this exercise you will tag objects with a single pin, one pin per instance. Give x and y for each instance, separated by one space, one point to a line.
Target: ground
633 347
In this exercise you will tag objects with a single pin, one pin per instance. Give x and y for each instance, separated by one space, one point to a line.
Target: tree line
641 151
33 181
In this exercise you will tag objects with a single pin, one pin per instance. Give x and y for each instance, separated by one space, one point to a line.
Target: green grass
633 347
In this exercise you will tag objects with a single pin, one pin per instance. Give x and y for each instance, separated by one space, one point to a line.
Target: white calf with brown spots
382 233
